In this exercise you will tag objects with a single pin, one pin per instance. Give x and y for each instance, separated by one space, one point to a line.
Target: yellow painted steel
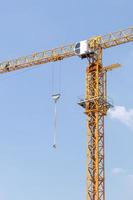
94 41
95 108
111 67
95 103
106 41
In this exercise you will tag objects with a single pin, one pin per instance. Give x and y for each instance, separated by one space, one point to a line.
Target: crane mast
95 102
96 107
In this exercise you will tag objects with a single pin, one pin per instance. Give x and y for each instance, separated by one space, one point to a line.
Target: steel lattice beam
52 55
95 109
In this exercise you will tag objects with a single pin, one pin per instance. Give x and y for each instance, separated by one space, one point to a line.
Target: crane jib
106 41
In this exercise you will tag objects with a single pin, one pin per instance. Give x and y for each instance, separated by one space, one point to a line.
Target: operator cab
82 49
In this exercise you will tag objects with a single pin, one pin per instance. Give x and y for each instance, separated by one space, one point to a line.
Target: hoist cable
60 78
53 79
56 90
55 126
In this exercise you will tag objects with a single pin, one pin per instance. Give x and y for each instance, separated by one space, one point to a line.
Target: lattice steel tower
95 108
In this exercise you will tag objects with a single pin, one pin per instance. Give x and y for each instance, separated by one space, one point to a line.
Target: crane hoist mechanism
95 102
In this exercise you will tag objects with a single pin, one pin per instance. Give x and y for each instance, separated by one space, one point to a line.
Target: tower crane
95 102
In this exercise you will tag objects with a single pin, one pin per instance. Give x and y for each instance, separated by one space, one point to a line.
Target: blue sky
30 168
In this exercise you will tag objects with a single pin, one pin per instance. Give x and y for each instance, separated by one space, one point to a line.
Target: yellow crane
95 102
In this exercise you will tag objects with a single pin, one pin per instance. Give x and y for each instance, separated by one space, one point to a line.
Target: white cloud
123 115
117 171
120 171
